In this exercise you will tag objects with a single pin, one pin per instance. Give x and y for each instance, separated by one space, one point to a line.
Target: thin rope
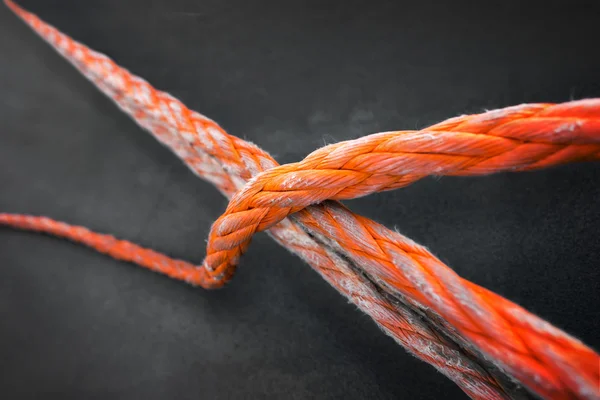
457 326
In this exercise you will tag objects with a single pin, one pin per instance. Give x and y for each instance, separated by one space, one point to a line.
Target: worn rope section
455 325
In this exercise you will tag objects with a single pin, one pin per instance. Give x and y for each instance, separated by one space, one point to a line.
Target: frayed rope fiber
478 339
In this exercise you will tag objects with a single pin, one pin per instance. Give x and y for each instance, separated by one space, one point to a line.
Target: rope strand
195 145
419 337
521 138
466 327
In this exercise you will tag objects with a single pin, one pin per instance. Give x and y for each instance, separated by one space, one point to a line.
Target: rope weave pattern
456 326
520 138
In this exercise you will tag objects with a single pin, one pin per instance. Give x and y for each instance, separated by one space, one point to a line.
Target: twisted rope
405 325
520 138
456 326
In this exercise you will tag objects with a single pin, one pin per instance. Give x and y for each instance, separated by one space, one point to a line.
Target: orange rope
444 320
520 138
406 326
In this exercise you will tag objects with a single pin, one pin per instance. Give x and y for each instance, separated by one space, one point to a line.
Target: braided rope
402 323
151 110
546 360
520 138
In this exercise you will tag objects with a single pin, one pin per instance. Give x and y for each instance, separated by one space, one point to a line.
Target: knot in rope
483 342
518 138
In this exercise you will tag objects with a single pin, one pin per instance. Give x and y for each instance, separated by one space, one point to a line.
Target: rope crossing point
476 338
521 138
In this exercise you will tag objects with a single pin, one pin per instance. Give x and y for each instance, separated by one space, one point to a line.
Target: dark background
289 78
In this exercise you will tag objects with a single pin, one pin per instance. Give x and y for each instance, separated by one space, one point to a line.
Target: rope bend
518 138
384 273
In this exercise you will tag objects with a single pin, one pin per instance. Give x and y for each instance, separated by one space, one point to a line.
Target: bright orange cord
521 138
479 325
399 322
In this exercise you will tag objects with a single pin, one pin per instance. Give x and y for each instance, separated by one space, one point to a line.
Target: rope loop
489 346
518 138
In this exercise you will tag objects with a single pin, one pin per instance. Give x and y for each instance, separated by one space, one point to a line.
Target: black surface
289 78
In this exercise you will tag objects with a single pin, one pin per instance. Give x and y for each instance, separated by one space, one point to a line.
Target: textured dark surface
289 78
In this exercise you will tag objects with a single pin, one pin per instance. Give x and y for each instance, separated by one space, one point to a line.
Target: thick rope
476 322
151 109
520 138
407 326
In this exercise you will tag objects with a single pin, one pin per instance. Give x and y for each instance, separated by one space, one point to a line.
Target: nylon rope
481 341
